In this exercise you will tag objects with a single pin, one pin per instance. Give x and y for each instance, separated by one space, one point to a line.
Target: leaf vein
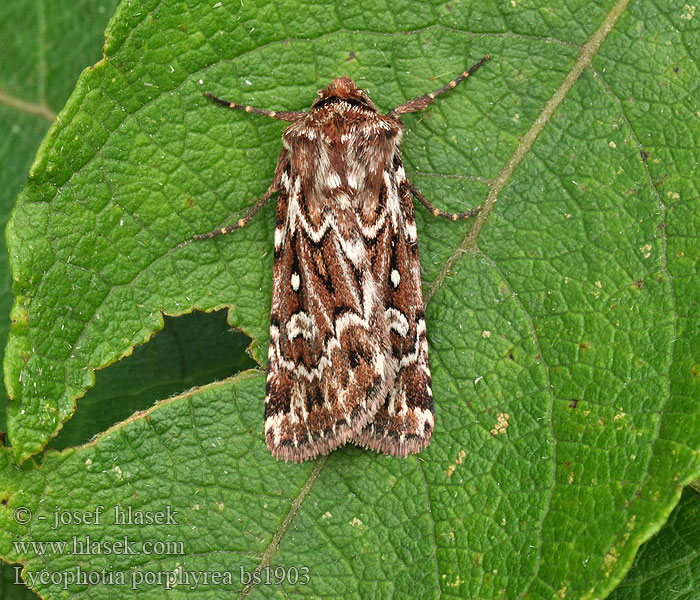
588 52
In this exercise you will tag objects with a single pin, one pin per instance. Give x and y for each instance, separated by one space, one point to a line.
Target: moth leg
282 115
242 222
436 212
421 102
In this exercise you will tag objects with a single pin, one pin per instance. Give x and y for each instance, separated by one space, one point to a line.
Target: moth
348 354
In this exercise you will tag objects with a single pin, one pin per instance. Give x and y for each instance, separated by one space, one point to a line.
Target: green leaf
560 321
668 566
191 351
46 45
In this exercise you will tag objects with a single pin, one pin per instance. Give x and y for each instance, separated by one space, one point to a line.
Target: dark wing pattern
404 421
329 342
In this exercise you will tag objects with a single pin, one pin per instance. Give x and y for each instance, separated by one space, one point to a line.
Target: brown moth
348 356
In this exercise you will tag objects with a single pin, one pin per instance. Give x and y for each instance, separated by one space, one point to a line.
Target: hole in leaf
9 583
191 350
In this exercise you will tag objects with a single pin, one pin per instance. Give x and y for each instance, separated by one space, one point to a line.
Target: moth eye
295 281
395 278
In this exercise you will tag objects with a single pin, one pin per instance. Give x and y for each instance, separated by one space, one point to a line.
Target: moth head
342 88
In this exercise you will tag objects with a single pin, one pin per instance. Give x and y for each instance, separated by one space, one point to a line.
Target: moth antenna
283 115
421 102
